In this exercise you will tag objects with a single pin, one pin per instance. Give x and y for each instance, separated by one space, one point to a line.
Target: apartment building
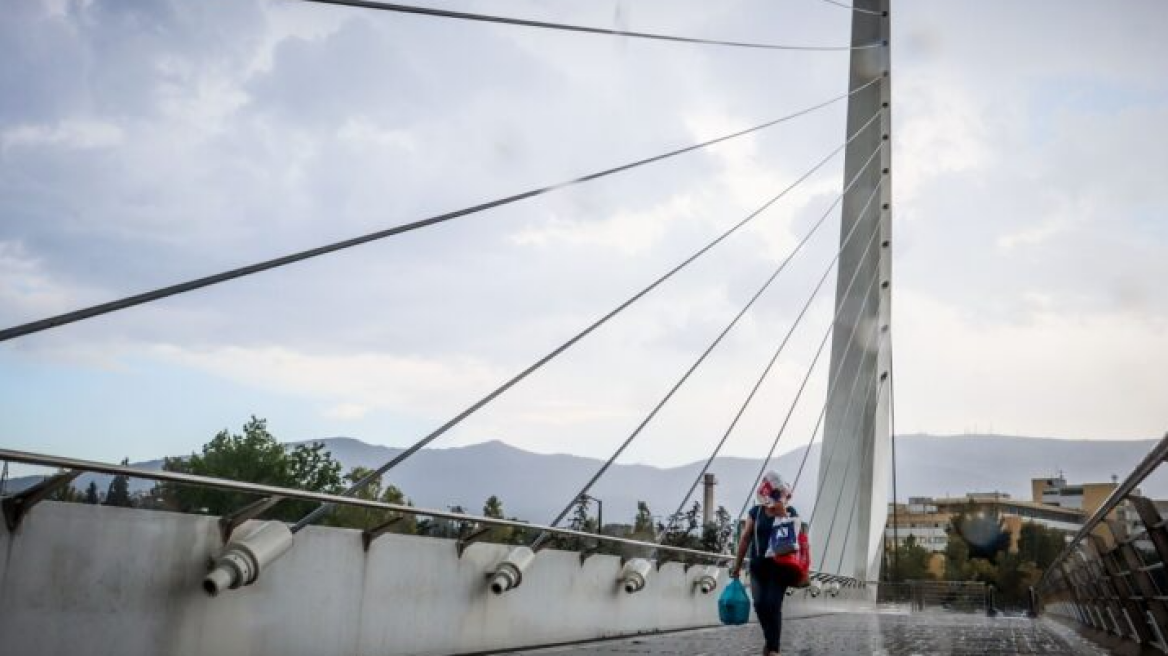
927 519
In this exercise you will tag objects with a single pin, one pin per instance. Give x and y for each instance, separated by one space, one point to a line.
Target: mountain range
536 486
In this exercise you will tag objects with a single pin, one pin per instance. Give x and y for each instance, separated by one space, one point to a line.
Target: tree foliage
118 493
581 521
91 495
682 528
356 517
1039 544
493 507
981 552
718 535
643 522
909 563
254 456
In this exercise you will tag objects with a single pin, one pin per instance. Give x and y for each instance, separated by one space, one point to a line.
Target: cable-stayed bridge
144 582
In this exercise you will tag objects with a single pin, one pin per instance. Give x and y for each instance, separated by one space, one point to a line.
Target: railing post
1121 587
1153 523
1104 586
1085 574
1154 527
1077 599
18 505
1156 612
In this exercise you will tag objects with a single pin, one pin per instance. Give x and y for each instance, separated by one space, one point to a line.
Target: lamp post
599 512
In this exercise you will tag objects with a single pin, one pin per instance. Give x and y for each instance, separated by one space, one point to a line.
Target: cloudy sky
148 142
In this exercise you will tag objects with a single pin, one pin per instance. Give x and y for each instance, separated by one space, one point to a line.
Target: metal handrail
1149 464
64 462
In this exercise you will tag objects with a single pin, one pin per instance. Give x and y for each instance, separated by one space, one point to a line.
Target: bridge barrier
83 579
1111 576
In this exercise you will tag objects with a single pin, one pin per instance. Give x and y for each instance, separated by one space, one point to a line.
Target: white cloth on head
770 487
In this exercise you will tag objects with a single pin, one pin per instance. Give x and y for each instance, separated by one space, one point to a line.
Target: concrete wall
79 579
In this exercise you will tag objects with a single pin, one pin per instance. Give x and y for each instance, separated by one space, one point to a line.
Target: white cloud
27 290
347 411
352 385
627 232
940 129
1052 372
1032 236
366 134
79 134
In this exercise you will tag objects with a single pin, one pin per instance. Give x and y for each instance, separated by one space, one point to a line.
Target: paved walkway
884 634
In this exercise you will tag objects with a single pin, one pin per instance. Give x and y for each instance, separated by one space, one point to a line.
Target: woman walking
768 581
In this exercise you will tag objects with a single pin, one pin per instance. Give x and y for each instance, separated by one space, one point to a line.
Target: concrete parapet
81 579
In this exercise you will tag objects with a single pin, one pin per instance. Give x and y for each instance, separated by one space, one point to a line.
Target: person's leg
777 618
764 606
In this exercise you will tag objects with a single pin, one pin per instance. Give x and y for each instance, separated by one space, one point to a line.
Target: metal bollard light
706 579
243 558
509 573
634 574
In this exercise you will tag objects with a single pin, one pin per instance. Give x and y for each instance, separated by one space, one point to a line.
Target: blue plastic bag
734 604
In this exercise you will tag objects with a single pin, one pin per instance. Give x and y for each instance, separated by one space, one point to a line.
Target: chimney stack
708 498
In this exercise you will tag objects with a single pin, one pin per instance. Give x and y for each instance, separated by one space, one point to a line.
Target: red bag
797 564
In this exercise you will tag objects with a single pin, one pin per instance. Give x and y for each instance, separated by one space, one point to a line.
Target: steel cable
831 390
477 405
877 385
832 379
523 22
835 444
673 390
842 5
856 499
774 358
892 444
214 279
787 419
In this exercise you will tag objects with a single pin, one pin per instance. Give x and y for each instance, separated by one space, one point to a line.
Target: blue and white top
764 525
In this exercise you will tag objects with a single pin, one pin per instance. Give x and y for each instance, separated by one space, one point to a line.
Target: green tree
1015 576
580 521
254 456
358 517
717 535
1040 544
913 562
118 493
446 528
493 508
91 495
682 528
643 522
956 558
982 569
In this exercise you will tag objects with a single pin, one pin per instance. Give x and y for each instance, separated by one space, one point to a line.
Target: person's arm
743 545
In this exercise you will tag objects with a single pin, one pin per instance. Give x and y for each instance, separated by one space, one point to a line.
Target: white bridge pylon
854 464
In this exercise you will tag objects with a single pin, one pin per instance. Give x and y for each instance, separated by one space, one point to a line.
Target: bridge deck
887 634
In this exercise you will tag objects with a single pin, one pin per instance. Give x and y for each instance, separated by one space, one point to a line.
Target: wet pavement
884 634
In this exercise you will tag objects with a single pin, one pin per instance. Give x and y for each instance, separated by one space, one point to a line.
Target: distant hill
535 486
